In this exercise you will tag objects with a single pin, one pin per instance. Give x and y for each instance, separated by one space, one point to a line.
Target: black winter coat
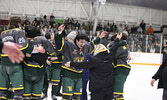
101 70
161 74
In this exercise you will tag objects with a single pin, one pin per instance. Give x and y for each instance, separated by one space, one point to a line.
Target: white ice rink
137 86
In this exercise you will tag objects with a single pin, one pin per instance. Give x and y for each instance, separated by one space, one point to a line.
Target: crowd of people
148 42
46 53
47 59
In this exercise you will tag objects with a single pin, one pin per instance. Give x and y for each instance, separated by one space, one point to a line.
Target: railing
145 43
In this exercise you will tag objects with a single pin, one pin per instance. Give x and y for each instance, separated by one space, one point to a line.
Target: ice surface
137 86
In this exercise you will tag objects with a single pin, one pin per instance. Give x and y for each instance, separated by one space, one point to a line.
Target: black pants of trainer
164 95
101 96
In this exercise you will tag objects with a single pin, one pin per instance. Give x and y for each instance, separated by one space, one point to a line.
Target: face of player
80 43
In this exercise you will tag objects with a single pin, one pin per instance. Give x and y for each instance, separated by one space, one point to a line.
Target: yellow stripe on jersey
37 66
26 94
4 32
57 62
119 98
61 45
76 93
118 93
122 65
55 80
36 94
93 48
18 88
32 38
4 55
1 88
71 69
51 54
3 98
69 94
102 50
24 47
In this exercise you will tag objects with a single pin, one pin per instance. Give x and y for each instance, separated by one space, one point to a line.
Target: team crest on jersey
74 52
124 47
21 40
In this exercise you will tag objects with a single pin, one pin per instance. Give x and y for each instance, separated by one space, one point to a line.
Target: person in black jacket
101 71
161 74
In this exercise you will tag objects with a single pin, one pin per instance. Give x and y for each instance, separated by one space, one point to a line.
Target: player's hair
113 37
48 35
32 31
14 22
81 36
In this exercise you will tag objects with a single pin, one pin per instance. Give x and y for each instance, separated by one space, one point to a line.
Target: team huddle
64 59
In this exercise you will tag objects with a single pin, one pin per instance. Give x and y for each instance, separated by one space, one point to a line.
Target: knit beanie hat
124 35
72 35
125 32
100 48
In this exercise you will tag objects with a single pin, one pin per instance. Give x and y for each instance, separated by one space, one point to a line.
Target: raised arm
59 39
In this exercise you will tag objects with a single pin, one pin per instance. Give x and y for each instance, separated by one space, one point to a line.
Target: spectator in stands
45 22
77 24
52 20
40 22
83 25
120 28
82 30
109 28
139 30
127 28
89 26
150 30
76 30
143 26
114 27
70 21
58 24
27 22
34 22
152 49
52 16
99 27
133 29
139 48
157 47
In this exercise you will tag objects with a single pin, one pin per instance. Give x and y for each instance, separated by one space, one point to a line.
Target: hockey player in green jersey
34 65
12 72
74 48
121 68
53 70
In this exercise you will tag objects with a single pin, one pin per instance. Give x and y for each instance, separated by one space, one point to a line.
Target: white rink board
146 58
137 86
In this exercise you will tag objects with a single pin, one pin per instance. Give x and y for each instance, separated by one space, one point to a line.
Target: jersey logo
21 40
7 38
124 47
74 52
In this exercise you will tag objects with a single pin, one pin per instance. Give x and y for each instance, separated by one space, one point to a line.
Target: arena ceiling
157 4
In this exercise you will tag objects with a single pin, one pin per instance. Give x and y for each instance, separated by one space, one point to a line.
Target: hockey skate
54 97
44 95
